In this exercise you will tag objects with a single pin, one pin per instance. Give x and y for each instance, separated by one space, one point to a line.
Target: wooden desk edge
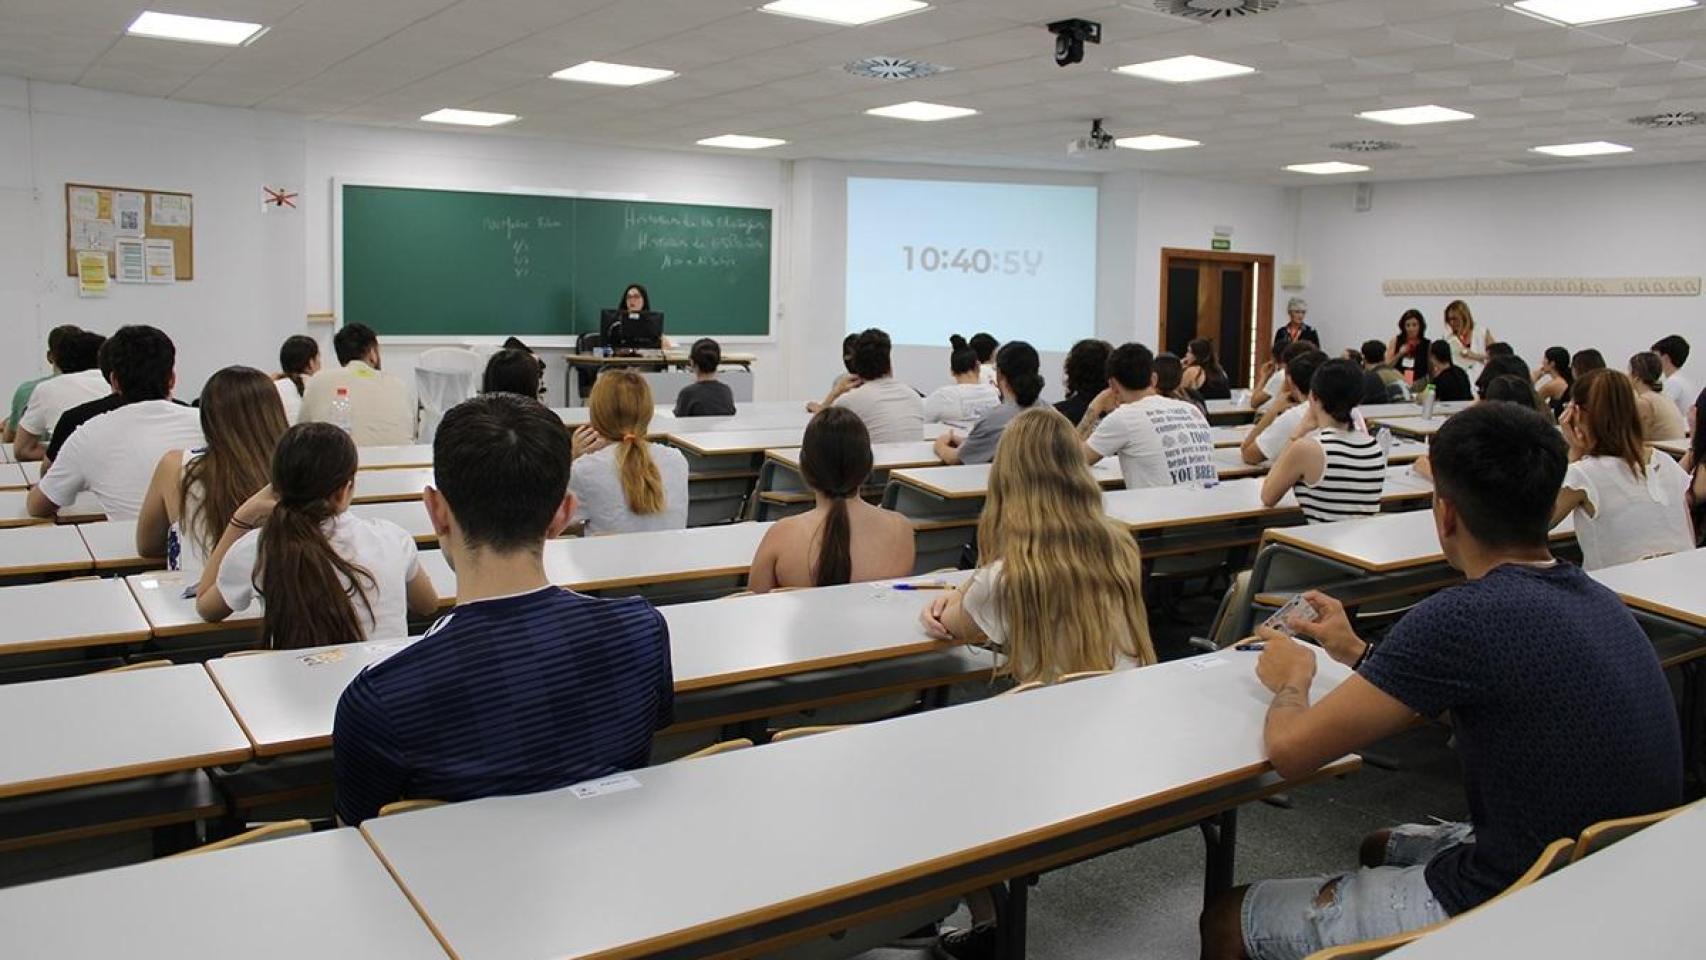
713 681
72 643
128 772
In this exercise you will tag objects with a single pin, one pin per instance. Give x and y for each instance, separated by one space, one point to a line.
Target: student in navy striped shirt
523 686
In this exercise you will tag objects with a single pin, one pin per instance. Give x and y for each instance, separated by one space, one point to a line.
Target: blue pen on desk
928 585
1255 645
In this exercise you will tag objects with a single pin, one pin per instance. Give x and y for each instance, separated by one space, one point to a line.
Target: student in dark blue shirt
523 686
1562 715
706 396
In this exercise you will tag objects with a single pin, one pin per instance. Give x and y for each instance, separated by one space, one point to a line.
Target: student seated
1277 425
1501 359
1552 379
706 396
1086 370
1584 360
1160 441
842 539
1630 501
523 686
298 360
380 411
1660 420
1679 390
892 411
1058 588
1337 471
1020 384
1510 388
113 454
56 338
622 482
80 380
1203 372
513 371
844 382
1562 714
1170 382
326 575
1270 376
195 492
1449 380
1390 382
964 402
986 347
1694 464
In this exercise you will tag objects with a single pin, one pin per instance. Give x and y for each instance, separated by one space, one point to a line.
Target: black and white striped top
1352 483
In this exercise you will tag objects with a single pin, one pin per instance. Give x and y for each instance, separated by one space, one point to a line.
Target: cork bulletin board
95 215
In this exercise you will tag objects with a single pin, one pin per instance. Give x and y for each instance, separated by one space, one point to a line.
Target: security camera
1070 36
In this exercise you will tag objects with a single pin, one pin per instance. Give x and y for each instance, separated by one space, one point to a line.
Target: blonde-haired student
622 481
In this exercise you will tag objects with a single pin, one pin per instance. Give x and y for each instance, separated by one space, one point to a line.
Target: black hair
502 463
1697 443
1421 329
706 355
835 460
1586 360
512 371
1441 351
1295 349
352 341
645 298
1337 386
1673 347
1501 465
1560 360
294 356
514 343
848 344
1132 366
141 360
1300 370
871 359
985 345
59 335
1202 350
79 351
1019 363
1499 348
1374 352
1510 388
1504 365
1087 367
1169 373
962 359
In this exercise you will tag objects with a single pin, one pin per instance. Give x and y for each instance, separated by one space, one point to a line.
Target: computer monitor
625 330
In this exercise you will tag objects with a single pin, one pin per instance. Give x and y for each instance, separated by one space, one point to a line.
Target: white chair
444 377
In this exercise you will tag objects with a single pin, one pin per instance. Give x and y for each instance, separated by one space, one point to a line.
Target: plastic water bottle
1428 403
340 415
1384 439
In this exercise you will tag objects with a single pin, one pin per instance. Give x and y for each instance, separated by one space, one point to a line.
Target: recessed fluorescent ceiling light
735 141
919 110
1155 141
1596 148
1189 69
612 74
470 118
170 26
850 13
1577 13
1327 169
1411 116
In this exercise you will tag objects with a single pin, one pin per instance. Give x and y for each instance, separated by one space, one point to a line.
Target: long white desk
1411 426
781 489
285 700
938 802
104 727
413 455
320 895
113 545
171 614
12 477
411 515
1668 587
1179 506
43 550
14 513
68 614
753 415
391 486
1639 897
1383 543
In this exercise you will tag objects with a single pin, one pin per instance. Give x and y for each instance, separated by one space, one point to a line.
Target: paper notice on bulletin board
85 204
91 273
128 213
132 263
160 261
93 234
172 210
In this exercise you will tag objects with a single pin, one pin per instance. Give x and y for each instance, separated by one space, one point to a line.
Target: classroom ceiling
1319 62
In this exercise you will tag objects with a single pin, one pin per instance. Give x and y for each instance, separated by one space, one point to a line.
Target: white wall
1606 223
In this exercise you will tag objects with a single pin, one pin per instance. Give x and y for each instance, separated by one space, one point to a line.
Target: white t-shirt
1160 442
1478 342
982 603
1633 518
291 399
986 374
597 486
380 547
381 414
961 404
1273 441
52 397
185 550
114 455
1678 390
1273 388
893 412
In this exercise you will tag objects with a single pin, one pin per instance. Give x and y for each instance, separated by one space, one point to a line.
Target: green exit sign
1223 243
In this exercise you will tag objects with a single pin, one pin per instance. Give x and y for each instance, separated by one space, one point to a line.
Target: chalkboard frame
556 342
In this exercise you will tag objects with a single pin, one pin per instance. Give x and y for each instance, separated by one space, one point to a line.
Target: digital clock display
1010 263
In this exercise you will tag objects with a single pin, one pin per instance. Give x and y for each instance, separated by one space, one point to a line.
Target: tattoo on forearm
1290 695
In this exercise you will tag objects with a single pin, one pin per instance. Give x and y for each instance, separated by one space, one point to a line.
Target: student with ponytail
622 482
842 539
299 359
196 492
327 576
1020 383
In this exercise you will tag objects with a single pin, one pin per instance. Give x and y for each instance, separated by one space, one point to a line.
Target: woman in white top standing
1629 500
326 575
963 402
299 358
1337 471
622 481
1660 420
195 493
1468 343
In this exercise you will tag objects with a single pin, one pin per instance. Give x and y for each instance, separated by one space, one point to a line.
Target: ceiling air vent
1216 9
1367 146
1670 119
892 68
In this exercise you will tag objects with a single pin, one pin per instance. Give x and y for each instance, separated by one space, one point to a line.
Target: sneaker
978 943
924 936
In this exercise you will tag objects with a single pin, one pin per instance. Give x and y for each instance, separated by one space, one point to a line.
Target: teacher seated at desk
635 299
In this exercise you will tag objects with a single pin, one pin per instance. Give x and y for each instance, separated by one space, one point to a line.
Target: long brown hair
1467 319
1606 400
295 356
1071 579
241 419
621 411
310 591
835 460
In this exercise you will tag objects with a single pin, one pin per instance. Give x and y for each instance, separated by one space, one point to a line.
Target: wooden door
1223 298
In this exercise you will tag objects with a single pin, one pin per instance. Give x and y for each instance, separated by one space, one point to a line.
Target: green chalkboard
458 263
